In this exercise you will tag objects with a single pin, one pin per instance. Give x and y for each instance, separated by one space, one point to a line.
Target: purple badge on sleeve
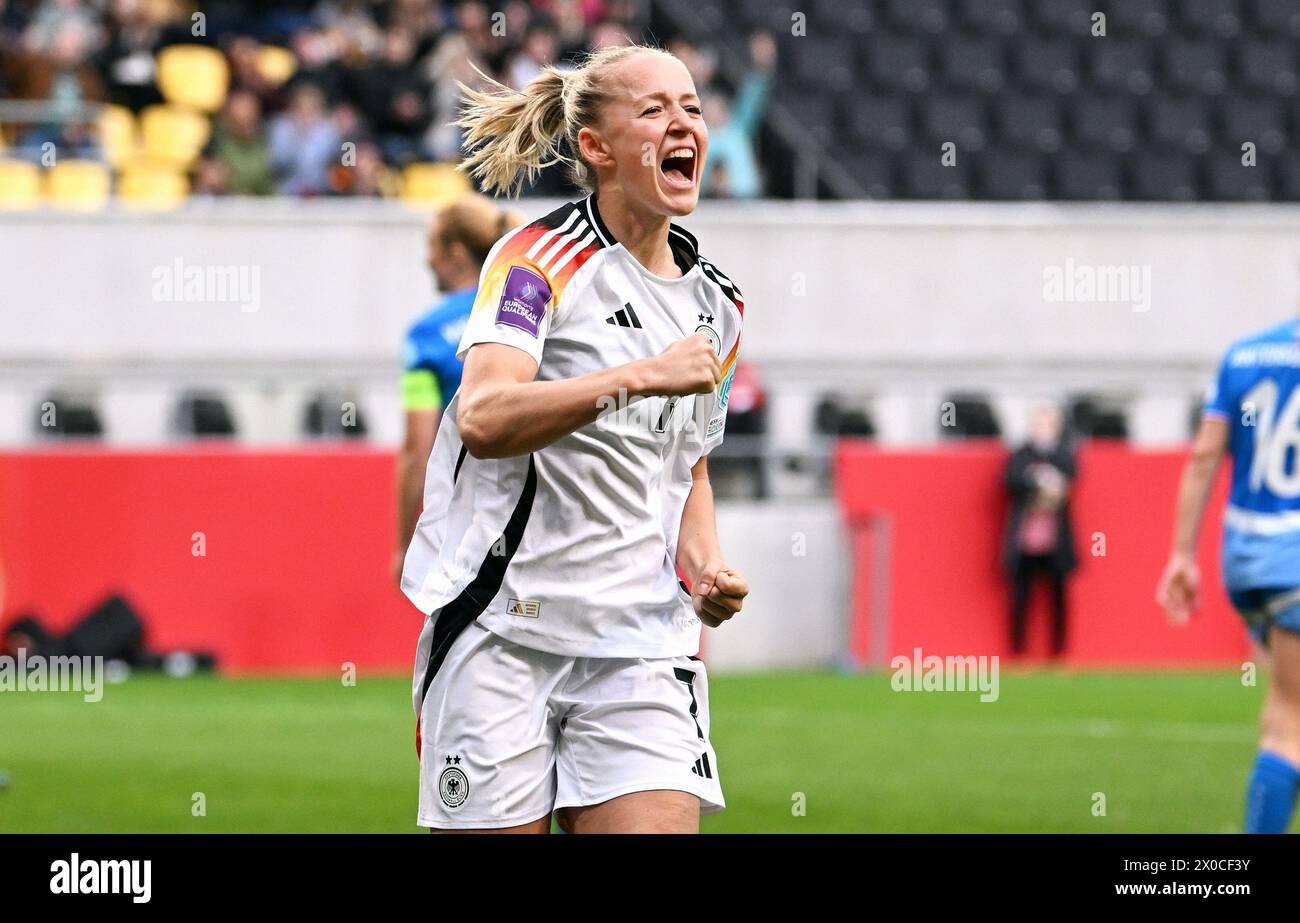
523 300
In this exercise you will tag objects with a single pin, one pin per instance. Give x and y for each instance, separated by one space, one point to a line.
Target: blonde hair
511 135
477 223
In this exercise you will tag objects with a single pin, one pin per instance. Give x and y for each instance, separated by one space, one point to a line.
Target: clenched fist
689 366
718 594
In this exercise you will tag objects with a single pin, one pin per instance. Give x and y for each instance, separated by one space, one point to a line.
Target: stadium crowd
306 78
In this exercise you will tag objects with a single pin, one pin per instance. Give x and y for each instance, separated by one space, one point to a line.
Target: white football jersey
571 549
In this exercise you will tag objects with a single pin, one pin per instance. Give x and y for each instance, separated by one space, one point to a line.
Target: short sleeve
514 305
1220 402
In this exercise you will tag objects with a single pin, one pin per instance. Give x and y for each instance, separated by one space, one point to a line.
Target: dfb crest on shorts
708 331
453 784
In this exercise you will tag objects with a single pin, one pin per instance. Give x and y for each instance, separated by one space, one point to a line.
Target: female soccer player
1254 412
461 235
568 483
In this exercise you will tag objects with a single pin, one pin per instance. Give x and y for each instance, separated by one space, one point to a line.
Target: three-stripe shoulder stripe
550 235
553 250
716 274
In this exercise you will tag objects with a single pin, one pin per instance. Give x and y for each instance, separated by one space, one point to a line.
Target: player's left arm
717 591
1180 583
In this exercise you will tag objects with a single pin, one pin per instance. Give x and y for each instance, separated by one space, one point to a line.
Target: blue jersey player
1253 411
460 237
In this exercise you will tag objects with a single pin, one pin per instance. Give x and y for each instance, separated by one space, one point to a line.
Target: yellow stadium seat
276 64
77 184
118 134
20 184
193 75
153 186
174 134
434 184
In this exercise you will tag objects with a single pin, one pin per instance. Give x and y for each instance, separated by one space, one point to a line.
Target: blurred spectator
1039 540
246 75
734 125
240 148
55 17
451 63
368 178
56 70
570 28
128 60
304 143
538 50
382 74
394 96
349 22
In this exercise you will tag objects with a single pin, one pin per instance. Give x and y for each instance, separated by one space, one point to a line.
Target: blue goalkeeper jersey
430 370
1258 393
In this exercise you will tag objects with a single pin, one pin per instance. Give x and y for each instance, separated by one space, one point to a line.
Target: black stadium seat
962 120
1048 64
817 115
858 18
1010 175
1288 176
1163 178
924 177
975 63
1256 119
1063 16
1275 17
1032 122
1221 18
881 122
825 63
929 16
1001 17
1231 181
1157 109
873 172
1194 66
1086 177
1105 123
898 63
1267 66
1179 124
1144 17
1122 65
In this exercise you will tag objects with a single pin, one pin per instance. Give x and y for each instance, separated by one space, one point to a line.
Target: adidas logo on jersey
624 317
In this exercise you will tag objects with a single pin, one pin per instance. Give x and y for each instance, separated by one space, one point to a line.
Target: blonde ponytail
512 135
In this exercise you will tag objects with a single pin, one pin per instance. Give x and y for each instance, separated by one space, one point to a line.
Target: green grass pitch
1169 752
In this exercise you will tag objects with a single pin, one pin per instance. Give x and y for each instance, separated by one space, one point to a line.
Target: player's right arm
1180 583
503 412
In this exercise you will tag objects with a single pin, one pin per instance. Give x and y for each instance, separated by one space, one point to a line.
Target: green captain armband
420 390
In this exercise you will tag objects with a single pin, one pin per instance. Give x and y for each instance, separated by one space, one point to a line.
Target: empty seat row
1020 175
1045 123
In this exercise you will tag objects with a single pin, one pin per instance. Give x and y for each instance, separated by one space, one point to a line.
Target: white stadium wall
893 304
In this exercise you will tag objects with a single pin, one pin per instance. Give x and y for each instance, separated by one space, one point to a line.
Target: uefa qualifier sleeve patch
523 300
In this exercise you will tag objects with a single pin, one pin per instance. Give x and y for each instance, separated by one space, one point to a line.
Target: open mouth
678 168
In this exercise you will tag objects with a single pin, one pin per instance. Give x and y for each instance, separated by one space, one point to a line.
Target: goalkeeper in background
460 237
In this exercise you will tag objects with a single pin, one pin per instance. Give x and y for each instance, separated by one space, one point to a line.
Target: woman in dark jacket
1039 541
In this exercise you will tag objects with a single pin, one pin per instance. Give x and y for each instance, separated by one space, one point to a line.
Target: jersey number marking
1277 440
